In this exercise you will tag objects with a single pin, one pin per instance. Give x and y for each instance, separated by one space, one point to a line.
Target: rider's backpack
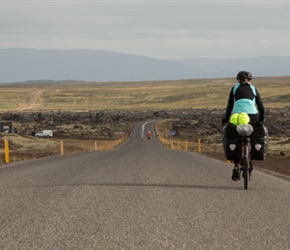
259 142
231 142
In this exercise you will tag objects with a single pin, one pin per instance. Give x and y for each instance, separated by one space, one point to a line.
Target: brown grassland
195 93
147 95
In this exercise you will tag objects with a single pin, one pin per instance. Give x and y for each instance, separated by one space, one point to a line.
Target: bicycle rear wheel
246 166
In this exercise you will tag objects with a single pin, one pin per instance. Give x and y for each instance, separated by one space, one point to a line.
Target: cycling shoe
236 174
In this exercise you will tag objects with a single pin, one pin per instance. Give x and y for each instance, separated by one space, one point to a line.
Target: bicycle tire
246 166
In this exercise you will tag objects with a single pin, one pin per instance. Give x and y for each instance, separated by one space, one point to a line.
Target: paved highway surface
140 196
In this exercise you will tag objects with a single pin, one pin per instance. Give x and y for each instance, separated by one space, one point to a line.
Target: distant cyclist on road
244 97
149 134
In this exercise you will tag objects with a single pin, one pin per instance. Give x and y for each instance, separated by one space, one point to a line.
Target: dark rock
190 123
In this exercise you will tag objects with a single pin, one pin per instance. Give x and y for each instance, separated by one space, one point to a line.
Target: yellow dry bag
238 119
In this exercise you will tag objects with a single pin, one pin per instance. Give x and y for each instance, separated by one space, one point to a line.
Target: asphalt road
140 196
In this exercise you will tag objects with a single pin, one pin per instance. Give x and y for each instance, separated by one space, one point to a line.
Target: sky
158 29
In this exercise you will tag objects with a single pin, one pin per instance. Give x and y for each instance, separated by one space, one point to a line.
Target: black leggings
254 117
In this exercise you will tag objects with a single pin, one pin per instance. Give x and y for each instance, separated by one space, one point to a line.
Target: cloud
161 29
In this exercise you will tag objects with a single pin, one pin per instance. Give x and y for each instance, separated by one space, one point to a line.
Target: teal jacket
245 97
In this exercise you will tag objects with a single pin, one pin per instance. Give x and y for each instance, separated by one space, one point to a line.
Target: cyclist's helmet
243 75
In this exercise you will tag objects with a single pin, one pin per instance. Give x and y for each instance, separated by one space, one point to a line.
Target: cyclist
244 97
149 134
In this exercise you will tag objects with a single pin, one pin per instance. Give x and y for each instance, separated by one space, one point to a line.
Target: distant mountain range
20 65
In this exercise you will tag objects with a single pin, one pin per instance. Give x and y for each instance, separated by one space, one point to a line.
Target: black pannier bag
231 142
259 142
